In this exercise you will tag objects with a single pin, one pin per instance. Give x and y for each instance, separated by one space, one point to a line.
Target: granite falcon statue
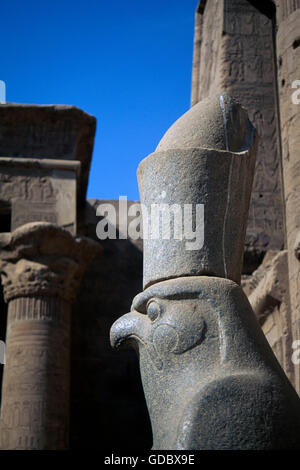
210 378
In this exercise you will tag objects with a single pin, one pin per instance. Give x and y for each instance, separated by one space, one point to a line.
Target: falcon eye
153 310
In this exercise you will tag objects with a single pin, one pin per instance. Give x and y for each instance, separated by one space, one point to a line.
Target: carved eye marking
153 310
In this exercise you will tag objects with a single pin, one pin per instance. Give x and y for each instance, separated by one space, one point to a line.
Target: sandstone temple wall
250 50
234 50
288 57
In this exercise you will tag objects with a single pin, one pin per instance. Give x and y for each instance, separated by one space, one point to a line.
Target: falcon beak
129 328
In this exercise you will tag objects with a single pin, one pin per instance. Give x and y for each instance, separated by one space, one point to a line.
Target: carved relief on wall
237 57
33 188
22 425
32 198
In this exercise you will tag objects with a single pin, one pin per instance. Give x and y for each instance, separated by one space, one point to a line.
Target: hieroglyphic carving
32 197
23 426
256 94
237 56
36 373
33 187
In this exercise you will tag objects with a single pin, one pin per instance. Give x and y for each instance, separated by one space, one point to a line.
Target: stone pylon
41 268
210 378
288 58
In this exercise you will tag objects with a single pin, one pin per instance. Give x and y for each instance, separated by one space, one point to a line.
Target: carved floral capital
42 259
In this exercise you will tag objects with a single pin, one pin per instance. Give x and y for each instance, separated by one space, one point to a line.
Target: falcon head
165 321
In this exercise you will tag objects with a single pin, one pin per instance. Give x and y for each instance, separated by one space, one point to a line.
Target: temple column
41 268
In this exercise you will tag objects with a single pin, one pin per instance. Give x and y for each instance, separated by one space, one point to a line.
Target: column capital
42 259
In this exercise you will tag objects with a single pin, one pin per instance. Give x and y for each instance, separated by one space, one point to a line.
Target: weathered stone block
48 131
40 190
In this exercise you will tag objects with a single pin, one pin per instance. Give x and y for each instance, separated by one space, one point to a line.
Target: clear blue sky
128 63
